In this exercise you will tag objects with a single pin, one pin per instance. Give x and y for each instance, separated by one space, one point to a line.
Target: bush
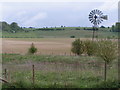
90 47
72 36
32 49
77 28
78 47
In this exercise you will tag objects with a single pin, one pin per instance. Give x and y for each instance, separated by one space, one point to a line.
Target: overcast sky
51 14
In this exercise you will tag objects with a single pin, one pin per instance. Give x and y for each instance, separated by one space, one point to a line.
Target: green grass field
60 34
58 71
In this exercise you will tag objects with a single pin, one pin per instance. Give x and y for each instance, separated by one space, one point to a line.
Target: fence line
76 66
57 54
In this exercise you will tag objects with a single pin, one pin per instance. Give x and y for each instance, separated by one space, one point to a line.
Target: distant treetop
13 27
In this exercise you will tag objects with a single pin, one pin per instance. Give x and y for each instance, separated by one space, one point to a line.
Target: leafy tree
90 47
84 28
107 50
32 49
14 26
77 47
113 28
117 27
102 27
5 26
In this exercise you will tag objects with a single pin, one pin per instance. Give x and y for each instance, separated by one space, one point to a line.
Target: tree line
13 27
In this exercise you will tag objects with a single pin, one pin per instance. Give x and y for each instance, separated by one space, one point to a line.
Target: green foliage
77 28
13 27
61 80
90 47
5 26
102 27
113 28
78 47
84 76
72 36
107 50
107 84
46 29
32 49
116 27
47 58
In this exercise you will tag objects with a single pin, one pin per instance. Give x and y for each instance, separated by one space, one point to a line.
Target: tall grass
58 72
61 80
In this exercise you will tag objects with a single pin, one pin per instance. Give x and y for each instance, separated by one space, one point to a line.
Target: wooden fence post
5 73
33 74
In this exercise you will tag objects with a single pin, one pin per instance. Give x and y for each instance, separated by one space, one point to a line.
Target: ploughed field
45 46
56 46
